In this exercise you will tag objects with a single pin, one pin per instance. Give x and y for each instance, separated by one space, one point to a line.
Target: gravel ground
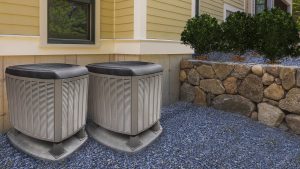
252 57
193 137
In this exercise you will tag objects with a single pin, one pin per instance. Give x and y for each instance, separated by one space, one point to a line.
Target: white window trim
231 8
44 27
271 5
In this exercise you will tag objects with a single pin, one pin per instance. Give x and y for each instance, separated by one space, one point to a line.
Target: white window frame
270 4
44 27
230 8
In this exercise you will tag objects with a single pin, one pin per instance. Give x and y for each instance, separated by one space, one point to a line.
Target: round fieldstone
213 86
234 103
257 70
270 115
241 71
274 92
267 79
182 76
271 102
206 71
291 103
278 81
298 78
200 97
283 126
252 88
293 122
193 77
288 77
230 85
222 70
185 64
254 116
273 70
187 92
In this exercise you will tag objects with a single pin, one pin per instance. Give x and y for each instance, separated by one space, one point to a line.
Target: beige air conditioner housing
125 97
46 102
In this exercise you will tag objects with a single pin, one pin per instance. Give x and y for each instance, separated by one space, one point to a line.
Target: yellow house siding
215 8
124 16
167 18
107 19
236 3
19 17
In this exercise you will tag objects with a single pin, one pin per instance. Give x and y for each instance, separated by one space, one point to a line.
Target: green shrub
277 34
298 23
202 33
238 33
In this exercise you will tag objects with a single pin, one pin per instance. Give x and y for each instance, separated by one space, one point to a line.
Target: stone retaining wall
267 93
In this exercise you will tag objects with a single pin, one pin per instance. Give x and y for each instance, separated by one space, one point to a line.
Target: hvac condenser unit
48 106
124 102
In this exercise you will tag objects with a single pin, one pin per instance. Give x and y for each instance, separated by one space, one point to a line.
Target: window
228 13
228 9
281 5
71 21
260 5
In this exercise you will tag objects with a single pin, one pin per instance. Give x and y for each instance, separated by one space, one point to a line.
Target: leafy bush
298 23
277 34
238 33
202 33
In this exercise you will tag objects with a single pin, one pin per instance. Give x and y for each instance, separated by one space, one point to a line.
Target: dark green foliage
296 12
202 33
272 33
277 34
238 33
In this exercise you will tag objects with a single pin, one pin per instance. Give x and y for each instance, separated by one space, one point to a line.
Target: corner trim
140 18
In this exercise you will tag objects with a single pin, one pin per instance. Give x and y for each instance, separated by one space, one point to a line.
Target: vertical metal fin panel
74 101
149 101
31 106
110 102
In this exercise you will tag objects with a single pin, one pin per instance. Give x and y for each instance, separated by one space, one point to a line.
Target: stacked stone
267 93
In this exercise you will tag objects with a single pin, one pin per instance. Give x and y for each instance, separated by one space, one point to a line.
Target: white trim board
193 8
140 19
30 45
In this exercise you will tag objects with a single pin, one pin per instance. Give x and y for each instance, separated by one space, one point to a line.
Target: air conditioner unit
48 106
124 102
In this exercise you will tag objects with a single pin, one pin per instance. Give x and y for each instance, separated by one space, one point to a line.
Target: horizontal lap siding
19 17
107 19
236 3
124 16
214 8
167 18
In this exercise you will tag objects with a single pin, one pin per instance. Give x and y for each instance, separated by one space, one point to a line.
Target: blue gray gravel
252 57
193 137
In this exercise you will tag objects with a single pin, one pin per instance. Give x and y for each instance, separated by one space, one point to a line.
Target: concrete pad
41 149
121 142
